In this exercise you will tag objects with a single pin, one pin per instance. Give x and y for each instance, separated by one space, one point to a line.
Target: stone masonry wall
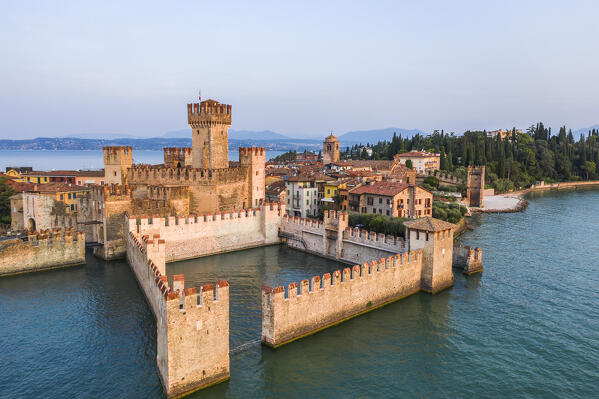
192 324
358 246
45 250
202 235
321 303
469 259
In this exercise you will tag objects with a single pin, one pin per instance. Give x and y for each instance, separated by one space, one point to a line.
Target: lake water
75 160
527 327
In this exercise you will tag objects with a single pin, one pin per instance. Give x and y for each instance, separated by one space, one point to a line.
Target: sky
301 69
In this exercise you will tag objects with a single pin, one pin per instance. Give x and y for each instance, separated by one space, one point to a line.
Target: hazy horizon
73 68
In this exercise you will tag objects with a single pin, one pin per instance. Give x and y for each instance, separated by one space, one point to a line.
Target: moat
527 327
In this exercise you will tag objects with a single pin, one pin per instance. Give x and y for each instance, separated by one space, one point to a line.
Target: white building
302 196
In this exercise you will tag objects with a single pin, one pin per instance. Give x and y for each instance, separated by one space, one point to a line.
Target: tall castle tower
116 162
330 150
254 159
210 122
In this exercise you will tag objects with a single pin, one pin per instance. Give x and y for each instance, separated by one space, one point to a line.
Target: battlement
469 259
249 151
166 193
208 113
198 235
46 249
382 240
117 154
160 175
177 157
193 323
320 302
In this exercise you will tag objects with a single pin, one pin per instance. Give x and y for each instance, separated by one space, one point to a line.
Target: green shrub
378 223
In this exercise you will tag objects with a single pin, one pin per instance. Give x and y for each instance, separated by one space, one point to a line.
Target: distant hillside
375 135
233 134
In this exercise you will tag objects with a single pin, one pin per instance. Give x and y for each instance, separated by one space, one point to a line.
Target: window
287 201
387 213
61 197
380 200
115 172
256 173
328 191
72 207
307 202
380 211
69 195
369 201
388 201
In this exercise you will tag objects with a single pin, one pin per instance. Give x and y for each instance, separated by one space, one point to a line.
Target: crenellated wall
201 235
322 302
192 324
47 249
469 259
355 246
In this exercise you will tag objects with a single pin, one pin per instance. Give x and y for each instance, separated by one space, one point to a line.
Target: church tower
330 150
210 122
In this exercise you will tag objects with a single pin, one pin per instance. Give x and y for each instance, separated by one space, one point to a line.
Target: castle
194 180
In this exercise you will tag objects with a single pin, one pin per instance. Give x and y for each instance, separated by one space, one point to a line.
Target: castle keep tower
330 150
116 162
210 122
254 159
476 186
435 238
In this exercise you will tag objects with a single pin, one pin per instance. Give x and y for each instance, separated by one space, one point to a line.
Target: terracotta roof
331 137
388 189
91 173
52 173
55 188
428 223
361 163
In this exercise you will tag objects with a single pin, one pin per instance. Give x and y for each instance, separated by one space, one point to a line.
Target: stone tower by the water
330 150
435 238
476 186
116 162
210 122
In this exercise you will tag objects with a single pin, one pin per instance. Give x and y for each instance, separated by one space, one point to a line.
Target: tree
589 168
409 164
6 192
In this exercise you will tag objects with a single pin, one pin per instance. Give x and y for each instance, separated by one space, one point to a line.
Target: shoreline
514 202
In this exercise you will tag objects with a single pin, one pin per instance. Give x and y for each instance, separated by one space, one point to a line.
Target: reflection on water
527 327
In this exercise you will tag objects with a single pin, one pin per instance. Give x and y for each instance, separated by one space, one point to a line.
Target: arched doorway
31 224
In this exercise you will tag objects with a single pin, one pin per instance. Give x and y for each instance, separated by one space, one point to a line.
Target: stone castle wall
469 259
192 324
201 235
44 250
325 301
358 246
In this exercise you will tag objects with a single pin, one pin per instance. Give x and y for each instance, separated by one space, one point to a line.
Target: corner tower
330 150
116 162
254 159
435 238
210 122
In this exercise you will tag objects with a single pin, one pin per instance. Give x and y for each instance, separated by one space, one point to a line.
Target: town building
46 206
302 196
422 161
502 133
391 199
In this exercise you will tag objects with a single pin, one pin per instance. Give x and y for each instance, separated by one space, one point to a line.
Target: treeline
6 192
516 161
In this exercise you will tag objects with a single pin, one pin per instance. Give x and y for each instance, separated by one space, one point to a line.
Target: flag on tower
200 95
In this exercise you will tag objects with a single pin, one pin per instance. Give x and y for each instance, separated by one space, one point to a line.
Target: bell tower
330 150
210 122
